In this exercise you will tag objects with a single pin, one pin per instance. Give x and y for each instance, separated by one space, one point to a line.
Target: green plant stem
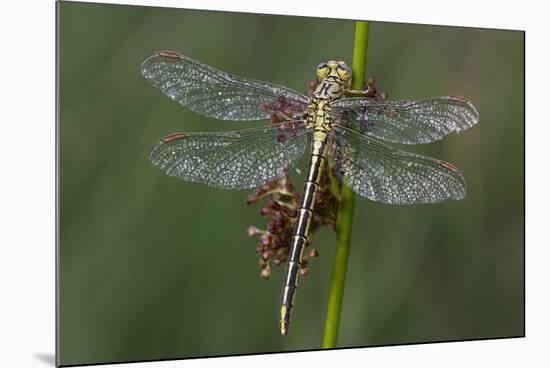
345 211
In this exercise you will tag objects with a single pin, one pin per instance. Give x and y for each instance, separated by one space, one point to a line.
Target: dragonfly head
338 69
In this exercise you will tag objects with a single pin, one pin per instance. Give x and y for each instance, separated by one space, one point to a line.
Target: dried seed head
313 253
266 211
265 239
281 208
291 212
252 230
312 84
251 199
370 82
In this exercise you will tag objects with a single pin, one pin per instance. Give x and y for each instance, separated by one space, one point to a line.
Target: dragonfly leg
368 90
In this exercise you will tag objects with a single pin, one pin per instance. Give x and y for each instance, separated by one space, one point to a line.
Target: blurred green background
152 267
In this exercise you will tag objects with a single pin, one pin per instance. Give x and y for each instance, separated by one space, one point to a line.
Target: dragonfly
336 122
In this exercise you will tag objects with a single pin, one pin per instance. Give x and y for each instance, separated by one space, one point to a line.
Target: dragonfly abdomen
302 226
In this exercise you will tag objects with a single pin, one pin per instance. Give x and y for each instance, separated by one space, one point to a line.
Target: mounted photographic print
234 183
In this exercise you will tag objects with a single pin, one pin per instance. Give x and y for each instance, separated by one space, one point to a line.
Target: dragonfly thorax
318 116
330 88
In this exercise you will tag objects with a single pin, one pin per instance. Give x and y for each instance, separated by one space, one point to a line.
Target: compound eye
344 71
322 70
344 67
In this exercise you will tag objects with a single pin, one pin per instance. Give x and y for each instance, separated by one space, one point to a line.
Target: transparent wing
408 122
231 160
216 94
384 174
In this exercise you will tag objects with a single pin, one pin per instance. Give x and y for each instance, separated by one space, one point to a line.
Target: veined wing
231 160
216 94
408 122
384 174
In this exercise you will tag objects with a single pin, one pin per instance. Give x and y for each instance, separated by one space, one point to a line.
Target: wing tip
163 54
172 137
472 110
153 154
450 167
170 54
461 193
